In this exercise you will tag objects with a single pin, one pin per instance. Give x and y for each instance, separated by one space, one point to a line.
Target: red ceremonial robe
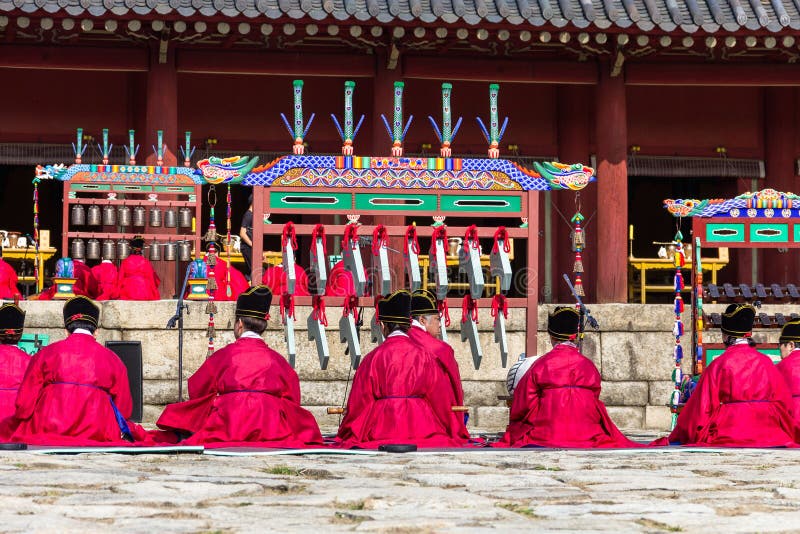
557 404
8 281
741 400
66 396
790 369
105 275
84 282
13 363
275 279
400 395
244 394
446 359
137 279
238 281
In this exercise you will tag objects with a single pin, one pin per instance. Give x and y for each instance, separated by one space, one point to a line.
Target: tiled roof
713 16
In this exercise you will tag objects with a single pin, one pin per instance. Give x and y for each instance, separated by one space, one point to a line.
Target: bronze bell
185 251
124 216
155 252
93 249
78 215
123 249
170 218
155 217
139 216
185 218
109 248
93 215
109 215
170 251
78 249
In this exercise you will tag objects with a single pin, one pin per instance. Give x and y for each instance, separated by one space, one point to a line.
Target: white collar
740 341
567 343
82 331
397 333
418 324
251 335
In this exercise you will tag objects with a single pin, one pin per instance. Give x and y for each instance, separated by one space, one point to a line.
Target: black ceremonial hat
81 308
254 303
12 318
790 331
737 321
396 308
563 323
423 302
137 242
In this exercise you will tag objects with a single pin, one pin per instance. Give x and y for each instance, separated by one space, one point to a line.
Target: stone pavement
545 490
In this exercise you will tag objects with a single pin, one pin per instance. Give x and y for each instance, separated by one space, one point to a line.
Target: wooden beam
760 75
73 58
274 63
499 70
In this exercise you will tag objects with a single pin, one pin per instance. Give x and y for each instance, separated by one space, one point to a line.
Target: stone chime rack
773 293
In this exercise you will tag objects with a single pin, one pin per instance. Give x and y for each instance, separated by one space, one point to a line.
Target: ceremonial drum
185 218
78 216
109 216
94 217
170 251
109 248
123 249
139 216
124 216
155 252
155 217
93 249
170 218
185 251
78 249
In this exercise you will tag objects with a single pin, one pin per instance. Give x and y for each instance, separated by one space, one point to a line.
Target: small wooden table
29 253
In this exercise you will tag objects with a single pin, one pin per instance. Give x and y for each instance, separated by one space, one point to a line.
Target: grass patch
545 468
281 470
518 509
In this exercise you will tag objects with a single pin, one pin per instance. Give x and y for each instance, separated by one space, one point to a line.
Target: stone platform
633 352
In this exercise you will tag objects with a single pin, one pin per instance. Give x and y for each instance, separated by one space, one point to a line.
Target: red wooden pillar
779 141
162 105
611 224
573 103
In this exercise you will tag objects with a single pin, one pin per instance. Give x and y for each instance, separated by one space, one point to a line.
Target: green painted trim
327 201
481 203
711 354
780 230
132 188
182 189
796 232
395 202
737 237
89 187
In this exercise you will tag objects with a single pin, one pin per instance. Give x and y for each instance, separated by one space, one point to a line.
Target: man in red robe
75 391
13 361
245 394
238 284
8 280
105 276
741 399
274 278
401 395
789 365
85 283
137 279
557 401
425 331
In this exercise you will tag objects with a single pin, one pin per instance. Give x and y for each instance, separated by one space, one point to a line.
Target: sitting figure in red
401 394
426 327
76 391
137 279
741 399
13 361
789 365
230 282
556 403
105 276
274 278
245 394
8 280
85 284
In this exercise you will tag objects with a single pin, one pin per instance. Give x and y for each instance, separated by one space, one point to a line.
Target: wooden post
260 207
532 293
779 147
611 225
573 147
162 106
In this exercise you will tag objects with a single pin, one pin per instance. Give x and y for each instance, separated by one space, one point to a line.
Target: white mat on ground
43 449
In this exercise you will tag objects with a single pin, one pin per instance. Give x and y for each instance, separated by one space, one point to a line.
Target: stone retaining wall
633 352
